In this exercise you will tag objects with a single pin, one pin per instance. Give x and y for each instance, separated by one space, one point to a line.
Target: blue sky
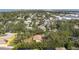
6 10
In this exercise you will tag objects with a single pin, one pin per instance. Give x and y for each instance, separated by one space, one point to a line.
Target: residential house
42 27
38 37
76 26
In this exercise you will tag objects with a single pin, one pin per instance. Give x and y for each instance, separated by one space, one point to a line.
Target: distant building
42 27
76 26
16 22
37 22
1 23
20 18
27 22
29 28
9 21
55 30
58 17
67 17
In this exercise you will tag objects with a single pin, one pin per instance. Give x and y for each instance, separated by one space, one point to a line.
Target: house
67 17
51 18
55 30
76 26
58 17
20 18
9 21
27 22
37 22
1 23
29 18
43 16
29 28
42 27
74 38
38 37
16 22
74 15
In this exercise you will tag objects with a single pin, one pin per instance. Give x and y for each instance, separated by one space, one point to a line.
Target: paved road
3 40
6 48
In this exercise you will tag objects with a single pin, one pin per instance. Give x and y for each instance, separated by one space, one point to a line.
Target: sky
39 4
10 10
6 10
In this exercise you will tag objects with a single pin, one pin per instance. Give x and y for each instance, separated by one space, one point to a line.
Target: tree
69 44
